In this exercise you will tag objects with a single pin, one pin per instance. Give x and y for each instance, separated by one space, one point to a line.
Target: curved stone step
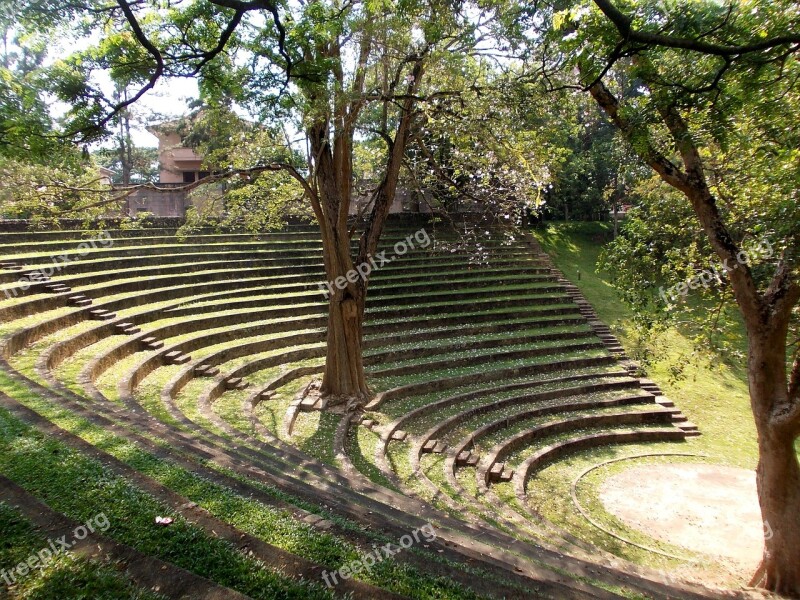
525 470
525 438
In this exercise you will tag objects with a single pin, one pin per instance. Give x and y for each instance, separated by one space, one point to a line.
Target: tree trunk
344 378
778 472
332 159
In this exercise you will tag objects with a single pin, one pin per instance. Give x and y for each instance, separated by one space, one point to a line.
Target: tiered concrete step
176 357
487 358
689 428
498 473
311 403
650 386
399 435
235 383
57 288
434 447
38 277
128 328
152 343
101 314
79 300
583 442
467 458
587 311
206 371
281 475
537 434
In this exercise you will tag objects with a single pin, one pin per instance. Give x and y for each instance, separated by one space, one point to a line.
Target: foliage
44 193
310 63
144 167
599 171
26 128
256 200
739 114
485 149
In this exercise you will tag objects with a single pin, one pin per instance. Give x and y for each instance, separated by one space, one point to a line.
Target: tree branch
638 139
624 25
156 75
223 41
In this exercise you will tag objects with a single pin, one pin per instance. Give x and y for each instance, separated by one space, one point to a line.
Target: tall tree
323 64
712 89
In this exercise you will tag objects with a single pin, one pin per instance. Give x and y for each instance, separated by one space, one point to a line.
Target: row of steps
498 473
473 353
79 300
602 330
235 383
152 343
127 328
57 288
678 419
467 458
38 277
434 447
176 357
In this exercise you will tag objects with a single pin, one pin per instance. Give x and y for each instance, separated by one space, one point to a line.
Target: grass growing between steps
64 576
81 487
361 445
712 393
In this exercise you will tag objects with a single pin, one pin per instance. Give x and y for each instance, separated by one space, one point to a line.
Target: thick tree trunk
344 378
332 160
778 473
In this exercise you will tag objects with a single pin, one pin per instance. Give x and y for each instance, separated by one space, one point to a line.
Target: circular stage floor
710 509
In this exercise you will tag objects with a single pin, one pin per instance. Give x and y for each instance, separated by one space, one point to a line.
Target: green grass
63 576
712 394
81 487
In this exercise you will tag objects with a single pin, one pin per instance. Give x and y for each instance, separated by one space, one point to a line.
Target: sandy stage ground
705 508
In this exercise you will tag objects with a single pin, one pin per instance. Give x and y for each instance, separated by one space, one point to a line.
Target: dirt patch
706 508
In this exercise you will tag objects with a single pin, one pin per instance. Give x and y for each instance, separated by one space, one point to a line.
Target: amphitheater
171 371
